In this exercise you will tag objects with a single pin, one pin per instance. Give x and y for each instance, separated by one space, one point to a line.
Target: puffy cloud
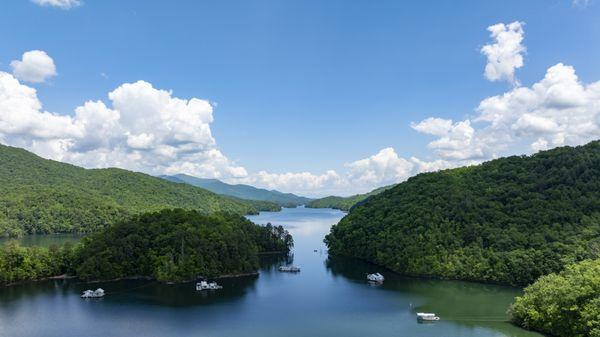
558 110
505 54
382 168
21 114
456 141
145 129
35 66
63 4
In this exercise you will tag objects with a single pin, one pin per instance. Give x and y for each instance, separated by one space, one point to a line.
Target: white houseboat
93 293
203 285
375 277
427 317
289 269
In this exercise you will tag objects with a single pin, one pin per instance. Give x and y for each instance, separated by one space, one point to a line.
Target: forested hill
508 220
172 245
177 245
45 196
344 203
241 191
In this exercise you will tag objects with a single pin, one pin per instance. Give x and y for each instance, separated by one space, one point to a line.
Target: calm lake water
328 298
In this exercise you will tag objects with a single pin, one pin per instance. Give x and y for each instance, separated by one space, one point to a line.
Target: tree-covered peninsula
170 246
509 220
46 196
566 304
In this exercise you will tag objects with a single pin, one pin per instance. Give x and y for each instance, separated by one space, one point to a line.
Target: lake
329 297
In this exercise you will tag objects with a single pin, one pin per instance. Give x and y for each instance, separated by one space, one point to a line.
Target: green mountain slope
344 203
45 196
509 220
241 191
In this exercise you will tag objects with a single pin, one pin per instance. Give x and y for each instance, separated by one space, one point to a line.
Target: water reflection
145 291
473 305
271 262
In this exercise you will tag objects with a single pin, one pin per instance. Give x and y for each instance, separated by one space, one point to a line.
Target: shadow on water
174 295
17 292
146 292
466 303
270 262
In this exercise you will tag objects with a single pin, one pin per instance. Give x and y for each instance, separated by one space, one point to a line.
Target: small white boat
427 317
375 277
93 293
289 269
203 285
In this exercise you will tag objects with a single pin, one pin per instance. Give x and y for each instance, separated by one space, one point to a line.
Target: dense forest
257 205
344 203
45 196
178 245
170 246
509 220
565 304
18 264
241 191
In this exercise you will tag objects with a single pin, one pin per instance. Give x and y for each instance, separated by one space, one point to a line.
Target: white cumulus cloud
35 66
385 167
144 129
558 110
63 4
456 141
506 53
382 168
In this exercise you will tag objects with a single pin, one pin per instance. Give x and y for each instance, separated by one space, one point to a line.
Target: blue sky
304 86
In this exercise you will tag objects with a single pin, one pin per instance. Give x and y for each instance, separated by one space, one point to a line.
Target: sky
311 97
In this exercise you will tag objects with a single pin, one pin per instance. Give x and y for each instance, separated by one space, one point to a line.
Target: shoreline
131 278
432 277
55 277
273 252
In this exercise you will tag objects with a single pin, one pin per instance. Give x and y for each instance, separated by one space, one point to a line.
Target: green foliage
508 221
18 264
344 203
565 304
241 191
178 245
259 205
45 196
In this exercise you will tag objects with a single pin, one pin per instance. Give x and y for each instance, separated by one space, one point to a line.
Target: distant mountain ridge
46 196
345 203
240 191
